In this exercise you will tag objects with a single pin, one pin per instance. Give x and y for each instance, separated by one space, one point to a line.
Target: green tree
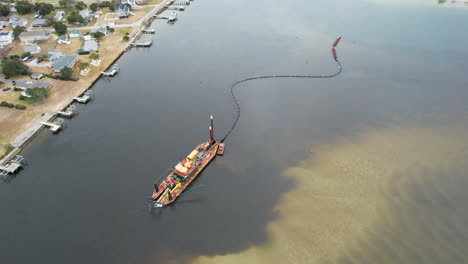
4 10
94 7
97 35
94 56
66 4
60 28
80 5
43 8
38 95
14 67
74 17
66 73
24 7
26 54
17 31
83 65
126 38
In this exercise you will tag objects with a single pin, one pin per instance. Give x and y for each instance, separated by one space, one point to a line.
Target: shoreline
147 20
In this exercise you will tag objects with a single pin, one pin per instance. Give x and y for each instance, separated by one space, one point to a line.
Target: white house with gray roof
59 15
90 45
64 61
6 38
22 23
25 84
31 37
33 49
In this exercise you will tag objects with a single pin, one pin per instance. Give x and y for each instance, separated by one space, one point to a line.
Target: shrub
16 89
20 107
26 54
126 38
22 98
6 104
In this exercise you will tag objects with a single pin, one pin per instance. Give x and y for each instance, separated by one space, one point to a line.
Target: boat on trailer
185 172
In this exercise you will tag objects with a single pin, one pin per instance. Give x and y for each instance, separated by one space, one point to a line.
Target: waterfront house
22 23
40 23
131 3
90 45
63 40
30 37
75 33
86 14
53 55
123 11
103 30
64 61
3 24
59 15
13 7
13 18
6 38
33 49
25 84
37 76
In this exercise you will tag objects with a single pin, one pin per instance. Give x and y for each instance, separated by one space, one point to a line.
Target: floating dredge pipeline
335 57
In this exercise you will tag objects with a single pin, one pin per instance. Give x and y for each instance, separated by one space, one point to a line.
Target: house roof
100 29
35 33
63 38
64 61
40 21
36 75
85 13
90 45
53 55
32 84
32 48
124 8
21 22
14 17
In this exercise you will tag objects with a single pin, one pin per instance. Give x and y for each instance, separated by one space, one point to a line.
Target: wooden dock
52 126
11 167
144 44
111 72
85 98
177 8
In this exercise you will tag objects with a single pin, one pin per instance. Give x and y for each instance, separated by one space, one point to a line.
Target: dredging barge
185 172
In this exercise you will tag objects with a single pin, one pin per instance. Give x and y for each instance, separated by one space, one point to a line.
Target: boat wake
335 57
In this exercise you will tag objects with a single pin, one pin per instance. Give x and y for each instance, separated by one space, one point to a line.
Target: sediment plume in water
377 199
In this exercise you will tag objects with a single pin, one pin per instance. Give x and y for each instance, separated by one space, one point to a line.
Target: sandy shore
342 209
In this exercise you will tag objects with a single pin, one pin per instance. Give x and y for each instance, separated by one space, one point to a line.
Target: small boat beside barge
185 172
